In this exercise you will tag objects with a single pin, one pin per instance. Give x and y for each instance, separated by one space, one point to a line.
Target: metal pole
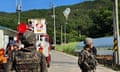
115 58
65 31
61 35
18 17
116 31
54 24
18 9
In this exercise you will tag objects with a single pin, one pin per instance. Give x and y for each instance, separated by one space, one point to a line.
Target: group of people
87 57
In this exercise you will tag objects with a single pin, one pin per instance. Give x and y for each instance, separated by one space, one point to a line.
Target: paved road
66 63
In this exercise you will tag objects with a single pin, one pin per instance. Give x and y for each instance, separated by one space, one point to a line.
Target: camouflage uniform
86 61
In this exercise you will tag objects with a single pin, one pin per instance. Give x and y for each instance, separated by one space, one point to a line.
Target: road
61 62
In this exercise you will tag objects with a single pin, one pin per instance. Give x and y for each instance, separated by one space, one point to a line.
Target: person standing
89 42
86 60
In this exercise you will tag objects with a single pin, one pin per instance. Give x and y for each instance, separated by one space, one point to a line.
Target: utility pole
61 34
65 31
18 9
54 23
116 34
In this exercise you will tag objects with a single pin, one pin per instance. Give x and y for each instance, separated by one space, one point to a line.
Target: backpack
92 61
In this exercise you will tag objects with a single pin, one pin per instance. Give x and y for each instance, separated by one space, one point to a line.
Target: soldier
86 60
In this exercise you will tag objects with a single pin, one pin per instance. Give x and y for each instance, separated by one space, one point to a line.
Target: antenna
18 9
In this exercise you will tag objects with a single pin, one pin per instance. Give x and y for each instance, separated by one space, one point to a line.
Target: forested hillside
90 18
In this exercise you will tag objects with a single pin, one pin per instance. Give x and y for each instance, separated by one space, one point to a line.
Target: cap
88 41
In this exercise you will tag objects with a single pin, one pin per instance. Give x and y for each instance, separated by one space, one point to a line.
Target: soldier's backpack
92 61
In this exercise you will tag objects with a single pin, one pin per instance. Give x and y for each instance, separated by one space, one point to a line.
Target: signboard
38 25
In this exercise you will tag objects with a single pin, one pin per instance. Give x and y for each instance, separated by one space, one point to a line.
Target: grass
67 48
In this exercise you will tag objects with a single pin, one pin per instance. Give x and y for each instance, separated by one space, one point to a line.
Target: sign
115 45
38 25
66 12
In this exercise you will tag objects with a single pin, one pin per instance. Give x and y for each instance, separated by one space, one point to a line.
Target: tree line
87 19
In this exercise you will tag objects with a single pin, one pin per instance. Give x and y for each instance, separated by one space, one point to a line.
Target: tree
103 23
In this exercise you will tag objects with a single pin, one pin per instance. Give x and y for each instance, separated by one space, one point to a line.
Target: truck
30 49
4 39
3 59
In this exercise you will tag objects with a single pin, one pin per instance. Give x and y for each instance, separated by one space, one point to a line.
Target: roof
101 42
104 45
5 28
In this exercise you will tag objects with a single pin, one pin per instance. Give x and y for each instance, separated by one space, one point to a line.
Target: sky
10 5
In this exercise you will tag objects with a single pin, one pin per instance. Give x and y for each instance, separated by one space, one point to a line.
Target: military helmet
29 36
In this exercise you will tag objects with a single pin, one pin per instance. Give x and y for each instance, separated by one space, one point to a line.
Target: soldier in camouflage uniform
86 60
27 59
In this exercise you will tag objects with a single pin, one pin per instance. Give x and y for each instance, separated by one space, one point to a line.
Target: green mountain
90 18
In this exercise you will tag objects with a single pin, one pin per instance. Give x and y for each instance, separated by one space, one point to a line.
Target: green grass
67 48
